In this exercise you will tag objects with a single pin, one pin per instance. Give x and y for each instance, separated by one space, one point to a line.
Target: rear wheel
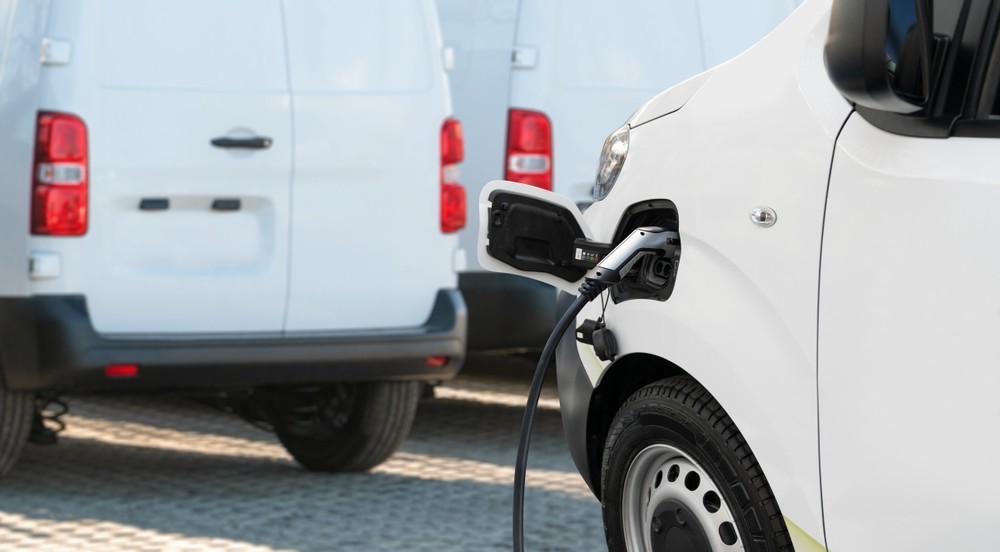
347 426
678 476
17 408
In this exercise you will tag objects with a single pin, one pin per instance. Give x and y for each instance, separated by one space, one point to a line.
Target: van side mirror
883 54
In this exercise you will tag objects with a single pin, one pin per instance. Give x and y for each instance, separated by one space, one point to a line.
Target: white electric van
256 196
538 84
817 368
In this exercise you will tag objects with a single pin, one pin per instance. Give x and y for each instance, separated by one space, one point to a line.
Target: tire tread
686 392
16 411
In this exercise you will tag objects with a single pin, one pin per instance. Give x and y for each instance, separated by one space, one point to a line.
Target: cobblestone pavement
166 473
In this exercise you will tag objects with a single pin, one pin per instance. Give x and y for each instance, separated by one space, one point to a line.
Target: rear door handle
253 142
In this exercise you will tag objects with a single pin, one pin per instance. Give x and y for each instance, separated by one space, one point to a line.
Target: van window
628 44
370 46
192 45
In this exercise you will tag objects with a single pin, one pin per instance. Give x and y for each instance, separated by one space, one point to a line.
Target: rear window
214 45
369 46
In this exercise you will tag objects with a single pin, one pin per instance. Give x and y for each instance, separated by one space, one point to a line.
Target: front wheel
344 427
677 476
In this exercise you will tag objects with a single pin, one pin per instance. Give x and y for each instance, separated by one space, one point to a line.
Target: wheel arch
625 376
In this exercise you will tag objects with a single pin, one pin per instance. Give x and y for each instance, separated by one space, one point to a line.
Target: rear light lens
529 148
60 180
453 212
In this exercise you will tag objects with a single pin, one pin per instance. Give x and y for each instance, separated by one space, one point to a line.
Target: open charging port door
535 233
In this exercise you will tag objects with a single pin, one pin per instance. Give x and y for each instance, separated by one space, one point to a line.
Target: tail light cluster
529 148
452 193
59 184
59 187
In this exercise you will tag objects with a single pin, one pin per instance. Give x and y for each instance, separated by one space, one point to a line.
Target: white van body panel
742 317
908 391
22 25
152 109
366 197
349 184
586 64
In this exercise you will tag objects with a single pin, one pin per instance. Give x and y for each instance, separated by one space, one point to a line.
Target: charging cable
610 270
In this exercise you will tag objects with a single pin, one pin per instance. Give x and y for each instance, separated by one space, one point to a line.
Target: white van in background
539 84
248 195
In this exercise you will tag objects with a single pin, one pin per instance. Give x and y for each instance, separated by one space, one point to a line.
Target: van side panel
742 316
370 97
908 358
22 24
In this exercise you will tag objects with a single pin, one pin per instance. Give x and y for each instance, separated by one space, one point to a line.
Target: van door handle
253 142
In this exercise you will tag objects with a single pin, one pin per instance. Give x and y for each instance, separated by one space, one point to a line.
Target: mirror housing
859 55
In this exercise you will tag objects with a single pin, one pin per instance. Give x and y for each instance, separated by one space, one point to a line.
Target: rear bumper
50 343
507 312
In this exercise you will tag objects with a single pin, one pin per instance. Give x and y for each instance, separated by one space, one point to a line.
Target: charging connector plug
646 240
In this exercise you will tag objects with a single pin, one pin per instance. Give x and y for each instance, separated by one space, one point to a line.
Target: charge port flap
531 232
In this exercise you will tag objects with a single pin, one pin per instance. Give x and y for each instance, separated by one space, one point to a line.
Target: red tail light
529 148
452 193
59 184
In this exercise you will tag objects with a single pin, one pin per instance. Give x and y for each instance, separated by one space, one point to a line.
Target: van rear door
370 98
187 111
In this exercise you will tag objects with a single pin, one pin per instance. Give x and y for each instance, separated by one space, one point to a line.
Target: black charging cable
588 292
647 240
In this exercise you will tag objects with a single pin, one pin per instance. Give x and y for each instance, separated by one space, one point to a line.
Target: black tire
694 485
346 427
16 411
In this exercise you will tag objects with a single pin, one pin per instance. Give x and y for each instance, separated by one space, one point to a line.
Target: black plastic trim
508 313
226 204
959 104
855 55
49 343
575 394
154 204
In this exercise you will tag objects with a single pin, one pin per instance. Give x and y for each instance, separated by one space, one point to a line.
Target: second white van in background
538 85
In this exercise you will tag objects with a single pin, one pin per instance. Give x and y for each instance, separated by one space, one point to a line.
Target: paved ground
166 473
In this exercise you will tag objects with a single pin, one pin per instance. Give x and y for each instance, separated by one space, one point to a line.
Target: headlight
612 158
